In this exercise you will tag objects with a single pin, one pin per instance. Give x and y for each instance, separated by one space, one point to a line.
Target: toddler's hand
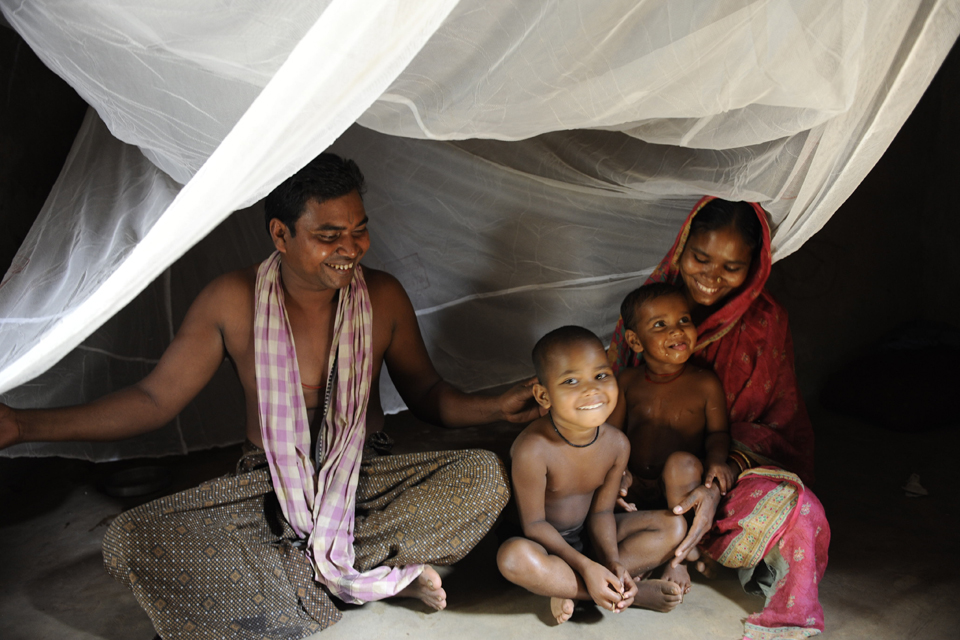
722 473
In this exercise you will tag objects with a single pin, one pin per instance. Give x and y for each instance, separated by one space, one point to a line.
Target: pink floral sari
770 515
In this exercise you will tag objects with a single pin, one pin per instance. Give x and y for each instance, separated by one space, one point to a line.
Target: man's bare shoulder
233 286
383 287
229 296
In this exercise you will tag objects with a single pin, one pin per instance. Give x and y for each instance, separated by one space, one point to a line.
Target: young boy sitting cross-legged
566 471
673 412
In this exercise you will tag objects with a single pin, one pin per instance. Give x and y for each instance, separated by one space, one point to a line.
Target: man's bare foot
561 608
427 588
678 574
658 595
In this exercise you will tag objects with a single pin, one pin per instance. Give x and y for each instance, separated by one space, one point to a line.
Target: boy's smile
580 389
664 332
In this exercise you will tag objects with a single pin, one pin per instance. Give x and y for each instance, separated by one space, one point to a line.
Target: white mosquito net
528 162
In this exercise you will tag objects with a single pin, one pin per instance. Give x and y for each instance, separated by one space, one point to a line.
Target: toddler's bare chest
665 410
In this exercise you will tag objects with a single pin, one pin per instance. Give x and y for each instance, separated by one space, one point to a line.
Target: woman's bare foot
707 566
658 595
561 608
679 575
427 588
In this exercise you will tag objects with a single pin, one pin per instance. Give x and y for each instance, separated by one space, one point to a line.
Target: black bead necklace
578 446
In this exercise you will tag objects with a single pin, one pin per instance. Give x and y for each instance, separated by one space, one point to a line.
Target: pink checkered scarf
320 505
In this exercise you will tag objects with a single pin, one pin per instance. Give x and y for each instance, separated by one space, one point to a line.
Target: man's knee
118 541
487 470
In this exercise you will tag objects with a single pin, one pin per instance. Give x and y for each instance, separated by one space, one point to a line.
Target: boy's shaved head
557 339
630 308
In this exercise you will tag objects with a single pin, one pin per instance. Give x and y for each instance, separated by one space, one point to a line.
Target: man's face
580 389
331 239
664 330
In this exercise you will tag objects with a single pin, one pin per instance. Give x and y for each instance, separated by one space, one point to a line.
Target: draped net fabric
528 163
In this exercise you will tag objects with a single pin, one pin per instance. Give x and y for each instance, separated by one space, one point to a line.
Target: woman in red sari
770 525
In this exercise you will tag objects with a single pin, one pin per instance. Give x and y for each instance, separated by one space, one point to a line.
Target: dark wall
889 259
40 116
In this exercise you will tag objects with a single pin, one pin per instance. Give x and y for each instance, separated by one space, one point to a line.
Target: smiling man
314 501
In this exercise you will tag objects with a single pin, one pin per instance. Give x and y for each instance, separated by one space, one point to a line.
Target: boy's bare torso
664 417
572 475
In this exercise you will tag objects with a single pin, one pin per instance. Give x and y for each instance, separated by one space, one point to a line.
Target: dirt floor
892 573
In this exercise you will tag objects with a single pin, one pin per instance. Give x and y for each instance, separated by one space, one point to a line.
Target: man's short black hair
630 307
326 177
562 337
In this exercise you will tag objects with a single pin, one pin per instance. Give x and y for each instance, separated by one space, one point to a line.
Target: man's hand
9 427
603 585
704 501
723 474
517 403
626 481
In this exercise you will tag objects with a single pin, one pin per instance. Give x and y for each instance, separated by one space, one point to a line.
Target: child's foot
561 608
679 575
658 595
427 588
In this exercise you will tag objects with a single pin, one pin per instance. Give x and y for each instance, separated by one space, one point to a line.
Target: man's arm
429 396
185 367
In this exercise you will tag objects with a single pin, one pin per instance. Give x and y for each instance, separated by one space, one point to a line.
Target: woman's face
714 264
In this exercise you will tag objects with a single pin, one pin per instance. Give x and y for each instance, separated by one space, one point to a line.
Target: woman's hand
704 501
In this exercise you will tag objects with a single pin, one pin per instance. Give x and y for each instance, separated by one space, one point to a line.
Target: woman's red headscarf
747 343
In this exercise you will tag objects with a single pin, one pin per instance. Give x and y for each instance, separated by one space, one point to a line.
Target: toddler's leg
682 473
647 539
527 564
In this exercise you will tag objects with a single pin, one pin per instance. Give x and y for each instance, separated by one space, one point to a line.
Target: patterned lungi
220 561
